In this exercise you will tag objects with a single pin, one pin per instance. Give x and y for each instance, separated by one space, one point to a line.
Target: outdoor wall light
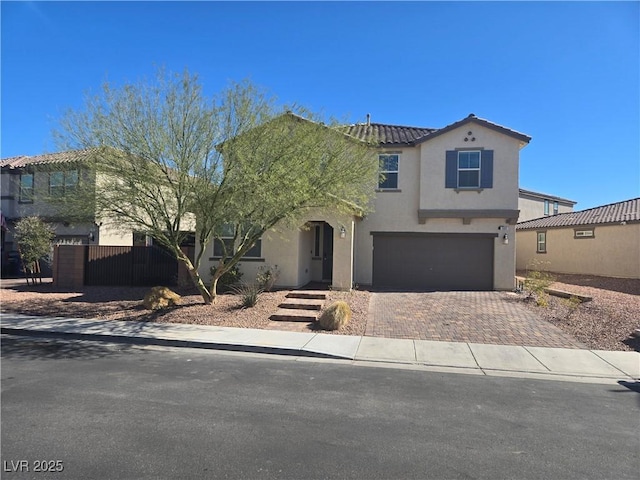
343 232
505 239
91 237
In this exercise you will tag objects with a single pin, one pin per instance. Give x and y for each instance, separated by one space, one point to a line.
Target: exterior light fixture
343 231
505 239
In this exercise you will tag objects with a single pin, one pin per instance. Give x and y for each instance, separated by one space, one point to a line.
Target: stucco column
343 242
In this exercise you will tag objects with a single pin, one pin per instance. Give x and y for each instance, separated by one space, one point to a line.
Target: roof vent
472 115
368 119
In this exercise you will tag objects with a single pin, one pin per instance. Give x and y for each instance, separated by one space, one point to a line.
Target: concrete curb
452 357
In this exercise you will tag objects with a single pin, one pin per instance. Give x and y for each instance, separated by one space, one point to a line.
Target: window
388 171
542 242
469 169
583 233
26 188
546 207
227 240
316 243
555 208
62 182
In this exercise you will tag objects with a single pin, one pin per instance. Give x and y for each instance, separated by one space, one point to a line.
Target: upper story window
26 188
388 171
546 207
555 208
62 182
469 169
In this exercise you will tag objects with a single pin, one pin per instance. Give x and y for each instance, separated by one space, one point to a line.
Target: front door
327 252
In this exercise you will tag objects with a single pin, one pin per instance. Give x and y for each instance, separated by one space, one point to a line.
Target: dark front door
327 252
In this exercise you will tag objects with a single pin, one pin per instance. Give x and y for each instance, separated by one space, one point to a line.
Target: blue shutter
486 169
451 170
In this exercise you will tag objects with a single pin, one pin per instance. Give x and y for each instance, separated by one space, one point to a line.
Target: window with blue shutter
469 169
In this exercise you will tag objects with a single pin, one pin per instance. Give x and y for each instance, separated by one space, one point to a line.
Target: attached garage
429 261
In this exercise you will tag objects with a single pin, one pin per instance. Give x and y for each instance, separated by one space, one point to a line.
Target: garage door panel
433 262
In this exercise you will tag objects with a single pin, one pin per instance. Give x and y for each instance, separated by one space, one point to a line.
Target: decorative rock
336 316
160 297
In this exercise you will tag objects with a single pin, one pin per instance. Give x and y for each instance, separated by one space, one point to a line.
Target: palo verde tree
34 239
162 157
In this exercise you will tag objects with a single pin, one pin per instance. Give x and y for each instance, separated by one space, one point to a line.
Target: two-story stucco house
51 174
537 205
443 218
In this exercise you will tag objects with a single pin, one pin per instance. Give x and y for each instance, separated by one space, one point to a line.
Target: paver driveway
476 317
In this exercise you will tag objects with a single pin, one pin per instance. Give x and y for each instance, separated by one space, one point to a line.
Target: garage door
433 261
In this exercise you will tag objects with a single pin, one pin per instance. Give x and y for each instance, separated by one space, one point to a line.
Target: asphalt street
97 410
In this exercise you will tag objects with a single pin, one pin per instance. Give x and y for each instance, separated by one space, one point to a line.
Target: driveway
475 317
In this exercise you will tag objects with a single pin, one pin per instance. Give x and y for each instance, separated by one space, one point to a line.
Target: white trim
397 171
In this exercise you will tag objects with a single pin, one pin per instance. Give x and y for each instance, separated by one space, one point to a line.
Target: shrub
336 316
160 297
267 277
229 279
249 294
537 282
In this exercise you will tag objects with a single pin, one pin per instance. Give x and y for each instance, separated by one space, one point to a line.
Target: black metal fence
131 265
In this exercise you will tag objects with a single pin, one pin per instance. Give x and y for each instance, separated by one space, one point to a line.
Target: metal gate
130 265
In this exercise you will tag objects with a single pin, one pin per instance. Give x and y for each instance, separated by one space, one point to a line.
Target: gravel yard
605 323
124 303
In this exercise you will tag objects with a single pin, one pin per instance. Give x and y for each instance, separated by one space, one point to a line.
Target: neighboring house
601 241
55 174
444 216
535 205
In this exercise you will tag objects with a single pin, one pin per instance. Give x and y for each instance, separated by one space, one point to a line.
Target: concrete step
302 303
295 315
308 294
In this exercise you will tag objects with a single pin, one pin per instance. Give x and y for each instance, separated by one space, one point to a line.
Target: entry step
308 294
294 315
302 304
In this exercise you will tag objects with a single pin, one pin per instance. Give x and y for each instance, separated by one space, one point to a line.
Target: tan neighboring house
536 205
443 217
55 173
601 241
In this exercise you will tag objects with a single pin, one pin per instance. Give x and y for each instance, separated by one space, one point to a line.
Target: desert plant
572 304
34 238
160 297
229 279
336 316
537 282
267 277
249 294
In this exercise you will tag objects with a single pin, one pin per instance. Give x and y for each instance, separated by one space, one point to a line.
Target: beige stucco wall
421 181
531 208
291 250
506 151
613 252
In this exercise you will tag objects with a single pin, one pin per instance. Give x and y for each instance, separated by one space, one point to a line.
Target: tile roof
627 211
45 159
388 135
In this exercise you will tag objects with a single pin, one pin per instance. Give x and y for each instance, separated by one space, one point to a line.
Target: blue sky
567 74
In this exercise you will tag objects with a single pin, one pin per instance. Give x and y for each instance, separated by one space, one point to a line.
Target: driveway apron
476 317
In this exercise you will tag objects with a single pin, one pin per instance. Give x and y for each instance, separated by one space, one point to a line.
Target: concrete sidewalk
595 366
